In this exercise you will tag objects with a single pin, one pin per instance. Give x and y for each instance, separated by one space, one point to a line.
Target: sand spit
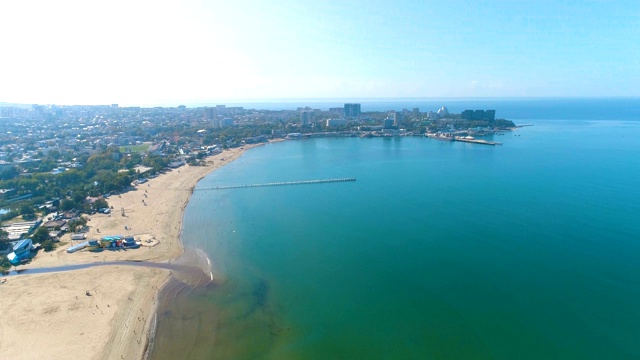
50 316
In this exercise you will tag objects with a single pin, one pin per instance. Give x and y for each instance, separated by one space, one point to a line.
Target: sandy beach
51 316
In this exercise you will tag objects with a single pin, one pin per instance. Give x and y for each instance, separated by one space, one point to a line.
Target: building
218 123
226 122
16 231
443 111
6 112
292 136
351 110
397 119
21 252
305 117
256 139
210 113
336 122
489 115
387 124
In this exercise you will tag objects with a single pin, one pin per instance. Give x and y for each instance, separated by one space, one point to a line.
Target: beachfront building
489 115
292 136
21 252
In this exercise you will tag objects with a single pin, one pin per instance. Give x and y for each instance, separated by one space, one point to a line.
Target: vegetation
99 175
27 212
41 235
4 239
48 245
4 263
75 224
134 148
8 216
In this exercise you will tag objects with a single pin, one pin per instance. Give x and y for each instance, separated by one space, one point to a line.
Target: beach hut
79 236
94 245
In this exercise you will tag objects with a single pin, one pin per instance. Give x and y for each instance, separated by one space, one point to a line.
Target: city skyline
158 53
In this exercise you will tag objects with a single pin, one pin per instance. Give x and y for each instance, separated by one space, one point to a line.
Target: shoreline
55 308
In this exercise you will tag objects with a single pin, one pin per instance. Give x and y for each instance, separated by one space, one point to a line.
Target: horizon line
221 101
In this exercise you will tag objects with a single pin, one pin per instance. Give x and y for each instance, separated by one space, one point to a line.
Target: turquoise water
439 250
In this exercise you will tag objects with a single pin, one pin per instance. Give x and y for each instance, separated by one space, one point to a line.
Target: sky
172 52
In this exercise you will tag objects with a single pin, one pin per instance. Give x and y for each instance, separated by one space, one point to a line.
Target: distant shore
104 312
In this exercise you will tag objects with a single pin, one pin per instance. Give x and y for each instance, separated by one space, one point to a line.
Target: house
54 224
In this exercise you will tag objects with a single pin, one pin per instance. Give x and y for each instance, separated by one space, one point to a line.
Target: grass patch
134 148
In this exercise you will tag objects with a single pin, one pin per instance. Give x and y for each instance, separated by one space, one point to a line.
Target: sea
438 250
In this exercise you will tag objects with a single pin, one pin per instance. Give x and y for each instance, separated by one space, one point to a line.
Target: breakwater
281 183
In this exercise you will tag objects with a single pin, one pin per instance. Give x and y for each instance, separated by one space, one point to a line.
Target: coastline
117 319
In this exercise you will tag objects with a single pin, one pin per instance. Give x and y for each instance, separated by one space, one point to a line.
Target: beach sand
49 316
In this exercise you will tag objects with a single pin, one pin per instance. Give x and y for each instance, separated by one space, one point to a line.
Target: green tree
48 245
26 210
77 223
4 262
8 216
67 204
100 203
41 235
4 239
9 173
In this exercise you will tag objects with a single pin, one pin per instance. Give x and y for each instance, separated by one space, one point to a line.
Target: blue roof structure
23 245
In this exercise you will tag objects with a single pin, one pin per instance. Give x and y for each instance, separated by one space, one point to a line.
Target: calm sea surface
439 250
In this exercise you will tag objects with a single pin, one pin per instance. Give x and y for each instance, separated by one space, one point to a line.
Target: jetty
281 183
476 141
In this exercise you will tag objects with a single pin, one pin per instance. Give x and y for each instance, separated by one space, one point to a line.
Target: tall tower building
210 113
351 110
397 119
305 117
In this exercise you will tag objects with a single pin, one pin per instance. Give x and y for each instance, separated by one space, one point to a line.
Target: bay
439 250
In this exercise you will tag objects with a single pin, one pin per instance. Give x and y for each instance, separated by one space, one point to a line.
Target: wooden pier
282 183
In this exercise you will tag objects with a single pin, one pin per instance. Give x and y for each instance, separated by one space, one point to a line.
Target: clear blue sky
155 52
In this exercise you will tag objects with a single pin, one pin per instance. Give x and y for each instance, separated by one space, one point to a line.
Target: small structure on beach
116 242
78 236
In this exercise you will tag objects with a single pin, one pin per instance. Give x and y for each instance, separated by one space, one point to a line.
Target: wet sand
116 319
